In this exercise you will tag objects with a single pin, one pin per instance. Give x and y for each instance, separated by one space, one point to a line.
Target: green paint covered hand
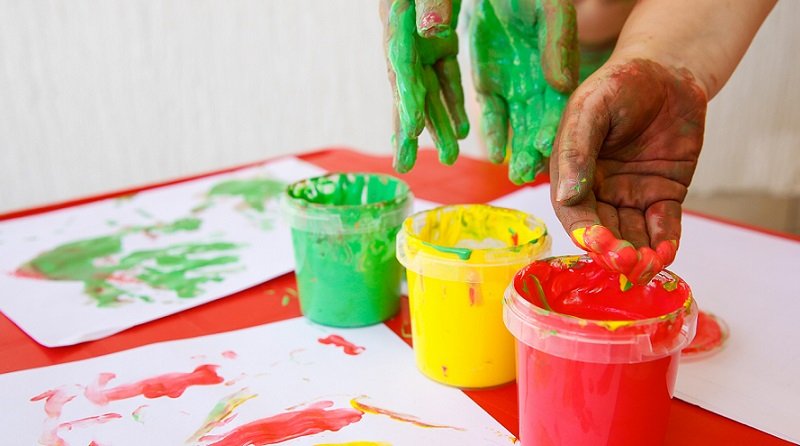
624 157
421 48
525 64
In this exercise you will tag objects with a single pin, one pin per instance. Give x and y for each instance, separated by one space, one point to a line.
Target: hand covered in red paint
624 156
525 65
421 48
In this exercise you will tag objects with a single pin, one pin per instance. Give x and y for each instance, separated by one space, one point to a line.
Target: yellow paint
459 335
577 235
624 283
614 325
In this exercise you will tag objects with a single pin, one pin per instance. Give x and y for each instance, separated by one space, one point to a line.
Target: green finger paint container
343 231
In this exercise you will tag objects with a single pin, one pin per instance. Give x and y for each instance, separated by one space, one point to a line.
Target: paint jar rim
321 218
598 341
433 260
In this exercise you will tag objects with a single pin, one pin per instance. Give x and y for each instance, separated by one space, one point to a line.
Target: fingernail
567 189
430 25
577 237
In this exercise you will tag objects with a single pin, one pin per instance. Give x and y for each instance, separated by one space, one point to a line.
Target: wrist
682 63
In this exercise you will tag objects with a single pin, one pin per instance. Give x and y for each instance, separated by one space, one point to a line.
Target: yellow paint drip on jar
459 261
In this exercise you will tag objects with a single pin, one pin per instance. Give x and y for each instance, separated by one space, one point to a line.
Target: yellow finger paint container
459 261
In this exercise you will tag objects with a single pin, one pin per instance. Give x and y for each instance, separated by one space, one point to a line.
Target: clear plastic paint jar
459 260
343 232
597 365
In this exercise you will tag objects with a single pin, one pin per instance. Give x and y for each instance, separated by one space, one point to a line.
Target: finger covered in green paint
404 61
526 161
449 76
494 125
554 103
438 120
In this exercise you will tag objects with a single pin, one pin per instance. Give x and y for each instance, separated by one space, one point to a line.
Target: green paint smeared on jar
343 230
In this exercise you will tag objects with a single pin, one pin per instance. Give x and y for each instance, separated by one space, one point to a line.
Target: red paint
429 21
54 401
588 291
27 273
638 265
89 421
472 295
286 426
580 403
229 354
711 336
348 347
515 239
569 398
171 385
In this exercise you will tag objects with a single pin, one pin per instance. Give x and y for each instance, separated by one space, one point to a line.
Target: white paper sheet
278 370
238 239
747 278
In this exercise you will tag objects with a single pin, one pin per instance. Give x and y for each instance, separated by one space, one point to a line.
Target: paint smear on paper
348 347
312 420
229 354
171 385
102 267
54 401
712 332
89 421
222 413
137 413
255 192
397 416
356 443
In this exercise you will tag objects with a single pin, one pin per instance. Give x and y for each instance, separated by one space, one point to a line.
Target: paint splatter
397 416
356 443
54 401
171 385
137 413
89 421
289 425
254 192
229 354
222 413
712 332
348 347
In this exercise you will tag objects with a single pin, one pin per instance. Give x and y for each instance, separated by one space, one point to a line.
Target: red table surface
469 180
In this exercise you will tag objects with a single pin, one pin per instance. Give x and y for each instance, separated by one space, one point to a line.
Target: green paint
672 285
343 232
256 192
427 84
180 268
524 66
285 300
462 253
540 293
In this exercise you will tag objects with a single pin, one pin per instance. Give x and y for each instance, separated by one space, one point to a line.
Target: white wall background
102 94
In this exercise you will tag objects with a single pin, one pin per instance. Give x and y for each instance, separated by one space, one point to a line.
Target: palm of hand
507 37
646 132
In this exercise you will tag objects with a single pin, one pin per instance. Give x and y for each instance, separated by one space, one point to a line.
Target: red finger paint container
596 365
